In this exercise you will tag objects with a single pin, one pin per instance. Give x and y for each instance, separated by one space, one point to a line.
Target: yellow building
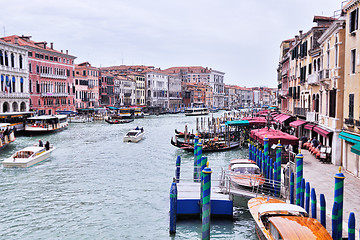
331 88
351 134
140 88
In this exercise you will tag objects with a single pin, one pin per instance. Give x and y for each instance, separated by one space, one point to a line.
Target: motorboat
80 119
28 157
196 111
118 121
245 173
46 123
276 219
7 135
134 135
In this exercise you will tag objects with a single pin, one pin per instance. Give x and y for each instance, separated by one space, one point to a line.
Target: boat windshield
23 154
247 170
131 134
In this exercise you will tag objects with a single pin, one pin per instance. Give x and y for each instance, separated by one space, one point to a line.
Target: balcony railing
14 95
313 79
349 121
301 111
51 94
48 75
312 116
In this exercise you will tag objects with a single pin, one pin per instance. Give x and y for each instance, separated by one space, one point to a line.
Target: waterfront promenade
321 177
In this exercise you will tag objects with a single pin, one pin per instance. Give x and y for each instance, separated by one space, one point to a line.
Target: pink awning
297 123
309 126
321 131
282 118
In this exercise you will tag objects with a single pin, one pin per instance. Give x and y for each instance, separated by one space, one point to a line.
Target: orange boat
245 173
277 220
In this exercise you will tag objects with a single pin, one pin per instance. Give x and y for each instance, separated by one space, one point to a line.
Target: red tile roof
190 69
26 41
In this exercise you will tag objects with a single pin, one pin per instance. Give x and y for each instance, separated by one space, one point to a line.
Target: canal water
95 186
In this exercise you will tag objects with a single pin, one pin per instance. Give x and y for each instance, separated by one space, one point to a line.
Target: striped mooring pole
302 195
307 197
196 141
278 169
292 188
173 207
322 210
334 221
204 162
249 150
198 161
351 227
339 198
266 146
271 176
178 163
206 203
299 176
313 203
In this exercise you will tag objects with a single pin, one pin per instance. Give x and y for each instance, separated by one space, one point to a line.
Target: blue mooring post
313 203
196 141
198 161
299 176
204 161
322 210
271 176
307 197
278 169
206 203
302 195
173 207
263 164
351 227
292 188
334 221
339 198
249 150
178 163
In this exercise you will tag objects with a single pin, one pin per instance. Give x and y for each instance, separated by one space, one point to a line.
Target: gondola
220 146
118 121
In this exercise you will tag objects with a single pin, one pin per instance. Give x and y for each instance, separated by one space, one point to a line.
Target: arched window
13 84
20 62
1 58
315 65
6 59
12 60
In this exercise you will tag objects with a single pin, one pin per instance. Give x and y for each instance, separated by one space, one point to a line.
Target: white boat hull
26 162
134 139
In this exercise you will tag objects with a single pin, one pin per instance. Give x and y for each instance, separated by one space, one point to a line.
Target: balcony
325 74
14 95
47 75
301 111
349 122
313 79
312 116
51 94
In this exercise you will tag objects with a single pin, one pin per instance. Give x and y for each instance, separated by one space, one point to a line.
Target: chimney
67 52
16 41
61 50
296 38
300 33
52 45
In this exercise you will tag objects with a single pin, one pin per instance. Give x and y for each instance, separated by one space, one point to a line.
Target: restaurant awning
297 123
356 149
309 126
349 137
282 118
321 131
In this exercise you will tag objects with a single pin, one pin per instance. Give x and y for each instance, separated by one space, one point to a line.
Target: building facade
86 86
14 89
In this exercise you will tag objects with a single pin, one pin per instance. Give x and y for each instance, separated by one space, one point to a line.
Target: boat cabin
245 169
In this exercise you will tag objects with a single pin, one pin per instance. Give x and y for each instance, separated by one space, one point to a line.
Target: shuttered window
332 105
354 20
351 106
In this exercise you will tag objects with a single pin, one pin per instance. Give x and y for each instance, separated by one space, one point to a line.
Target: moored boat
245 173
134 135
7 135
111 120
208 146
276 219
28 157
46 123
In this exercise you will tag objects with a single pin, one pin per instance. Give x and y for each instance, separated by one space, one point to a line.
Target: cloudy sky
238 37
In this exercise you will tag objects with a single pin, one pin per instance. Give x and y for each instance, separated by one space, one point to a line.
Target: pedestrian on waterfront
40 143
47 146
315 142
304 139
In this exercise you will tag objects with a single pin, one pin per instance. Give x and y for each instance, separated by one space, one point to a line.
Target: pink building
86 86
51 76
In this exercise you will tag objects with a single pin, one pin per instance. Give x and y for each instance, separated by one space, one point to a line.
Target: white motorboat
6 135
27 157
196 111
46 123
80 119
134 135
